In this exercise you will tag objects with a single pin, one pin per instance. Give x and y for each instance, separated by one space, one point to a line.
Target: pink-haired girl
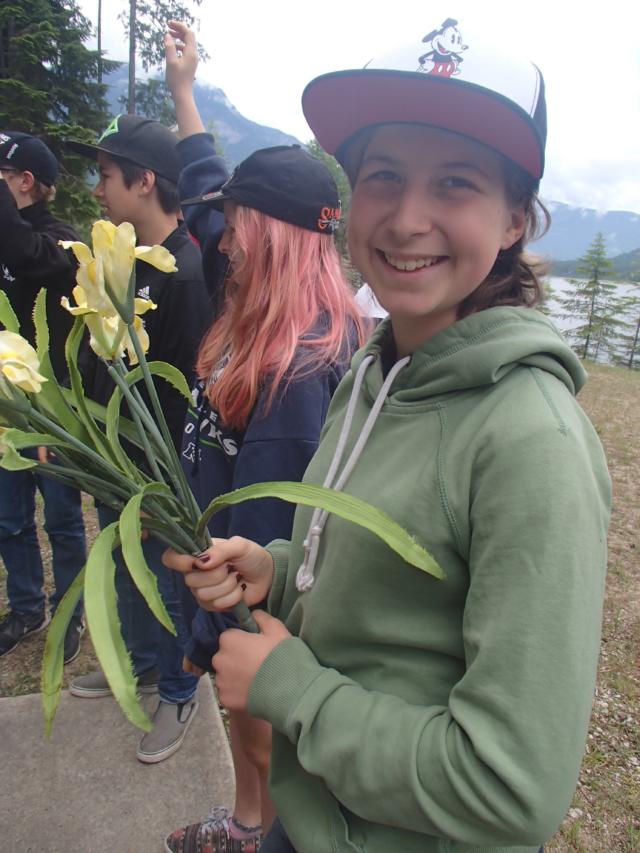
286 328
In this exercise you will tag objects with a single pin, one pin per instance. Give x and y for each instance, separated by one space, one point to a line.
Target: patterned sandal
213 836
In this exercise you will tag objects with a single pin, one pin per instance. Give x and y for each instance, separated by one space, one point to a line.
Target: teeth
410 266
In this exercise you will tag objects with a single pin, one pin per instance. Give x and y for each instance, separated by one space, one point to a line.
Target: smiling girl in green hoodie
414 714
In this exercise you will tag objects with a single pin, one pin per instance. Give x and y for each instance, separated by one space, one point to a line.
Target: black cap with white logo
284 182
27 153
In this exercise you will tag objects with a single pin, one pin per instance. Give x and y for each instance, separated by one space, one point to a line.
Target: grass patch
605 813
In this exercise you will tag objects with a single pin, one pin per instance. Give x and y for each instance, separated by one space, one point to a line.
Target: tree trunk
132 57
99 41
634 346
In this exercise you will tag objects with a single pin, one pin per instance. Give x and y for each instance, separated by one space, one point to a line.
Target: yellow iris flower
106 273
19 362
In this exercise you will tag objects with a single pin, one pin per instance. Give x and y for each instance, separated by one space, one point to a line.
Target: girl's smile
412 264
428 218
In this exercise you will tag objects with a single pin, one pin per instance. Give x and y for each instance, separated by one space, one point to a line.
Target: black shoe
16 626
72 639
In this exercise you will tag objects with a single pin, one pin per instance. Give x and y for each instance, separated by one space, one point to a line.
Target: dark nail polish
243 585
204 558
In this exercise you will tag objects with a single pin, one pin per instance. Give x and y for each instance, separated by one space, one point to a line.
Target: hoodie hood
501 339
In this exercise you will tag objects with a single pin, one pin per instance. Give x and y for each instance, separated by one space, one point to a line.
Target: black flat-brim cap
482 93
145 142
284 182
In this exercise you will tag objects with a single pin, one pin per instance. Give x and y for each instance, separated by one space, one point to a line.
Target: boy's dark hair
167 191
516 277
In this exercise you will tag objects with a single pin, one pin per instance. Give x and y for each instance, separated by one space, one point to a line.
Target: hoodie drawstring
305 576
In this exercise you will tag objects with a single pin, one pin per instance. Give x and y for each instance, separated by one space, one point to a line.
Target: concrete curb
84 791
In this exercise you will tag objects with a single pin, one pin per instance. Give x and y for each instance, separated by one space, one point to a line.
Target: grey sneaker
94 685
170 724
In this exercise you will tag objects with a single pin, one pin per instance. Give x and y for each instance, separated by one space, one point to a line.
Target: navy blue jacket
274 446
277 445
204 171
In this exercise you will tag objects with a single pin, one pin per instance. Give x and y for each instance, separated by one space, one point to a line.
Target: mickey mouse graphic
446 46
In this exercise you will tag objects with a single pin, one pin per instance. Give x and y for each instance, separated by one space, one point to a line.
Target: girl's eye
382 175
454 182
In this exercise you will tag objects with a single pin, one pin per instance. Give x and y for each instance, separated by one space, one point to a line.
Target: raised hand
181 53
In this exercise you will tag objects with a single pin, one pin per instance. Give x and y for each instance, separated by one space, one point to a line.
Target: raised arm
181 53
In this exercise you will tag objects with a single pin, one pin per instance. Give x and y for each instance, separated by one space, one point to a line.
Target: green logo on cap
113 128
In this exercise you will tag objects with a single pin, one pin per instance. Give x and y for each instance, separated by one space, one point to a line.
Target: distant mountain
571 233
573 229
626 267
238 136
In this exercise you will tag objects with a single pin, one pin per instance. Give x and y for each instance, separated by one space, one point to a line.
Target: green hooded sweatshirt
415 714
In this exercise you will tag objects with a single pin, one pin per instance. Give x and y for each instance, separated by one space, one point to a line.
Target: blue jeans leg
64 525
19 547
276 840
148 642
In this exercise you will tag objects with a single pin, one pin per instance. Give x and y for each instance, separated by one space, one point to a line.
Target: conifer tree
145 23
48 87
344 192
627 350
592 301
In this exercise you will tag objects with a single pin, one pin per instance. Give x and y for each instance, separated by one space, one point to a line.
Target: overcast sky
263 54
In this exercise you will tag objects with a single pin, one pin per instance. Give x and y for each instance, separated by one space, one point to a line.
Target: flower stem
57 431
137 412
177 474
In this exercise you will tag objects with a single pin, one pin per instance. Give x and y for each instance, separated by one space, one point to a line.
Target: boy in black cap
139 170
30 258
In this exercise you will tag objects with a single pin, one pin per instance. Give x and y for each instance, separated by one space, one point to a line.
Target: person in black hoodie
139 170
30 259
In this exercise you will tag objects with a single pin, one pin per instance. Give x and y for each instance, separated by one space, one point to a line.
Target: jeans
19 547
276 840
147 641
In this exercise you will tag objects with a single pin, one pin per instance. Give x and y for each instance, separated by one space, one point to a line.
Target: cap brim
340 104
216 199
92 151
83 148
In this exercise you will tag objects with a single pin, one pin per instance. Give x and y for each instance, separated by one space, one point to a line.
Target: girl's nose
412 215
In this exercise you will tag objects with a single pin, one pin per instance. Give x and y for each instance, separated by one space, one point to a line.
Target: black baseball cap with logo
141 140
284 182
27 153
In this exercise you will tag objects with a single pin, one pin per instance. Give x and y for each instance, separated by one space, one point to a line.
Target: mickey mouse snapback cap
449 79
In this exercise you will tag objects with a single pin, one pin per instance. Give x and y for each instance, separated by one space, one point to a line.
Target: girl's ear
516 224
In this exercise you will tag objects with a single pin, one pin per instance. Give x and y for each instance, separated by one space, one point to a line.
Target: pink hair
294 301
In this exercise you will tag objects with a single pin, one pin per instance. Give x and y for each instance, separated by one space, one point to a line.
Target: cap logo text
329 219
